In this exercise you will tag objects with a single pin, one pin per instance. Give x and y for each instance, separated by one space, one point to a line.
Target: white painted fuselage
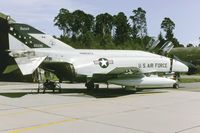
86 61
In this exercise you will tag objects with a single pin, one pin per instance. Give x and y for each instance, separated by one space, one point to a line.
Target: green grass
189 80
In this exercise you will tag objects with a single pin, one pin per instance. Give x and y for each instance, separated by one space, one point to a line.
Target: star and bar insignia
103 62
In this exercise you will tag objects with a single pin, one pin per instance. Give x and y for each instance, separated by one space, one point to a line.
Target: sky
40 13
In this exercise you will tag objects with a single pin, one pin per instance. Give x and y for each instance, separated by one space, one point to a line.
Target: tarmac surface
114 110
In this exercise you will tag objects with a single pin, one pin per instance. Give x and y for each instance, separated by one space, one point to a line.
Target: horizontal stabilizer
28 65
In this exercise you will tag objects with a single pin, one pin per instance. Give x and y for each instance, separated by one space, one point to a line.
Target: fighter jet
32 49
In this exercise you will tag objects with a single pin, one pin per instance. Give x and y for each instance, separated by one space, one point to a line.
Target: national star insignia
103 62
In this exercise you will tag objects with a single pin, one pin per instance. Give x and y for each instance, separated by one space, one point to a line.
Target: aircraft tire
96 86
89 85
175 86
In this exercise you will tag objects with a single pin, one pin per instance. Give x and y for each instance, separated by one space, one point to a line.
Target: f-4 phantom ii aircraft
32 48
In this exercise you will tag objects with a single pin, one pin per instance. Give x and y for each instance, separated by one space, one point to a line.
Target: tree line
106 31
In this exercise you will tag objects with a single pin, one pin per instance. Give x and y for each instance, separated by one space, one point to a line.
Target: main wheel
176 86
96 86
89 85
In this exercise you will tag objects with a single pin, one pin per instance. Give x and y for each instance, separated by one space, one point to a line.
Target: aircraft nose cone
179 66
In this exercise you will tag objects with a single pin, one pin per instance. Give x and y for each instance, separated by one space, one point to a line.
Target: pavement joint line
52 123
27 110
67 104
55 107
187 129
43 106
113 125
32 108
9 109
111 113
69 120
34 127
8 105
130 110
157 106
21 130
50 113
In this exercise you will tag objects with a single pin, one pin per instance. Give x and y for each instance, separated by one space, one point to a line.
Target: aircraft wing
28 65
125 70
130 71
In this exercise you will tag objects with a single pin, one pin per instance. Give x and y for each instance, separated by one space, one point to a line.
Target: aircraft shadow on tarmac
14 94
97 93
106 93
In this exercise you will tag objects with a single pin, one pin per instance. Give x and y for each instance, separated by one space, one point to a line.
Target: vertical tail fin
21 39
23 36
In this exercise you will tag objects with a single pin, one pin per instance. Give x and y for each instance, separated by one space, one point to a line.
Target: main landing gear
90 85
176 85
